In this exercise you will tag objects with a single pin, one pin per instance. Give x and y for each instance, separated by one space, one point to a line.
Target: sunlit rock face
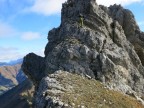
108 47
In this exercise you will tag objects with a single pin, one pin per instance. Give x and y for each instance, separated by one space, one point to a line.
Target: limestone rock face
108 48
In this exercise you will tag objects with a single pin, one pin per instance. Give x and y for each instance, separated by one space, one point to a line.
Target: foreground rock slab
65 90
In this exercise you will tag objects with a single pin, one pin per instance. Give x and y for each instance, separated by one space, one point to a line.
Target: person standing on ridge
81 20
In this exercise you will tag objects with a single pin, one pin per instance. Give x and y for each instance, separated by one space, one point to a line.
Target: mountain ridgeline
10 76
15 89
109 48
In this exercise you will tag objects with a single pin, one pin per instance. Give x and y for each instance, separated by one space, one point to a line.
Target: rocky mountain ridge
108 48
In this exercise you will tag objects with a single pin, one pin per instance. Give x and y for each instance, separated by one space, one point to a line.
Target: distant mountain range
16 90
10 75
13 62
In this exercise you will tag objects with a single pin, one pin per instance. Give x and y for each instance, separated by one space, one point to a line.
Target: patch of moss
73 41
2 88
28 95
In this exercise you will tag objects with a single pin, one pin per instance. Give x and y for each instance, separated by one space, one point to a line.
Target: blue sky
24 24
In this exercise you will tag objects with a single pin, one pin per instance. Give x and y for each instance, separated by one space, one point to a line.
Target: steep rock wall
104 48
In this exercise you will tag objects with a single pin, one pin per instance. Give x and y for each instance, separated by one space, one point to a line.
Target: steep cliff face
108 48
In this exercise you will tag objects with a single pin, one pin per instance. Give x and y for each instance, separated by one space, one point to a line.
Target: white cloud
6 30
111 2
46 7
9 53
141 23
30 35
51 7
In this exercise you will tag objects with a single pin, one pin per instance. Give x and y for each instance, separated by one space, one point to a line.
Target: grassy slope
92 94
84 92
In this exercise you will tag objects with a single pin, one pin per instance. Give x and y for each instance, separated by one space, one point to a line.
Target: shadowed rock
33 67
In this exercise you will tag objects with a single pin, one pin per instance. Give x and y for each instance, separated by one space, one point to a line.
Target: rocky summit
107 47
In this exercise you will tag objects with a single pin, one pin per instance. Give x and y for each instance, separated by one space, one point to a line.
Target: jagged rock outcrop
108 48
33 66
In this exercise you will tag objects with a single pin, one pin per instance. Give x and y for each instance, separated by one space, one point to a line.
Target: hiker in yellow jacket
81 20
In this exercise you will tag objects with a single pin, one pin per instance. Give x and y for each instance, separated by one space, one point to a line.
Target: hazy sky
24 24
